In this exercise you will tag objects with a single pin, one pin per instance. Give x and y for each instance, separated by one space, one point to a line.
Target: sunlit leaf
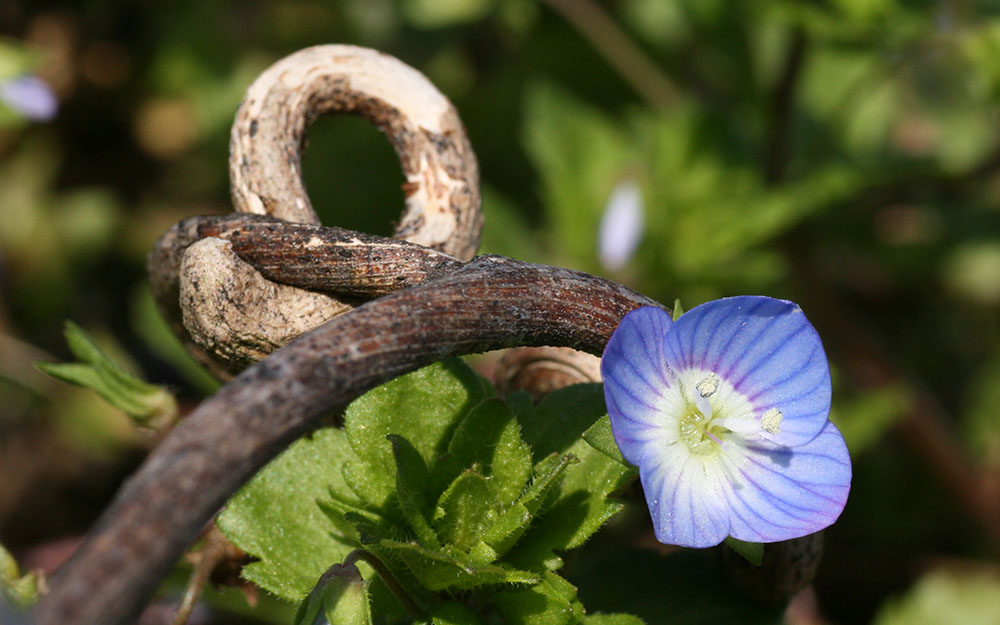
275 516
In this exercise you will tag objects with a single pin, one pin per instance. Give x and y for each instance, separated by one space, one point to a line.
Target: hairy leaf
423 407
274 517
552 601
452 569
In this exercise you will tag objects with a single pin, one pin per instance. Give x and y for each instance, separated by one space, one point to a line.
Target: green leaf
547 474
552 601
369 530
751 552
431 14
411 480
150 405
580 504
561 417
274 517
452 569
489 438
508 528
423 407
600 437
468 509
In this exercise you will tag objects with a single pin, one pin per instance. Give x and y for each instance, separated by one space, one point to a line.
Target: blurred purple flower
725 411
621 226
29 96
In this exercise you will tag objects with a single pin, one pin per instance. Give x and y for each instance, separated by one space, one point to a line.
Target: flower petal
621 226
779 493
29 96
768 351
637 383
687 497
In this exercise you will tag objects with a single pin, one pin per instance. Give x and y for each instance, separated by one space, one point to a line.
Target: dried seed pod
541 370
787 567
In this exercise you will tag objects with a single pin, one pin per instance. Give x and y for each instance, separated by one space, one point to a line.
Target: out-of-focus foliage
150 405
21 590
844 154
942 597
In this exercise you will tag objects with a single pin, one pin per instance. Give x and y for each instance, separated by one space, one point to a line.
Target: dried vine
204 271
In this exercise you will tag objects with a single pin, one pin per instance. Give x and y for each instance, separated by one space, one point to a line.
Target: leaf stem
387 577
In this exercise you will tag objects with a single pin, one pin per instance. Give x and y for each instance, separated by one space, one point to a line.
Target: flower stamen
700 426
771 421
708 385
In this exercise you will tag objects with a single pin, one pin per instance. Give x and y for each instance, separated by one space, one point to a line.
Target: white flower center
700 425
710 412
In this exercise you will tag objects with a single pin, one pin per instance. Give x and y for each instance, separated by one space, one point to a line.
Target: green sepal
345 600
600 437
340 597
452 569
751 552
148 404
678 309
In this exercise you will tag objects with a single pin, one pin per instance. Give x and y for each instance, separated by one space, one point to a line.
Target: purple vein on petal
765 519
760 361
795 372
673 488
619 361
694 346
795 483
618 413
737 327
734 512
767 497
744 349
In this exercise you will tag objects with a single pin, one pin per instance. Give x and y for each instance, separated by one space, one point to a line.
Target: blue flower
725 412
29 96
621 226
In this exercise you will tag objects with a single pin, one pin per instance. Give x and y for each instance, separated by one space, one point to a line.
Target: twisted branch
489 303
437 306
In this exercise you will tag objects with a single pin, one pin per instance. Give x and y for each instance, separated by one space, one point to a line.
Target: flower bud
340 598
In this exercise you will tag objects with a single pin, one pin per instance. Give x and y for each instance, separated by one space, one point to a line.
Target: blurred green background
844 154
